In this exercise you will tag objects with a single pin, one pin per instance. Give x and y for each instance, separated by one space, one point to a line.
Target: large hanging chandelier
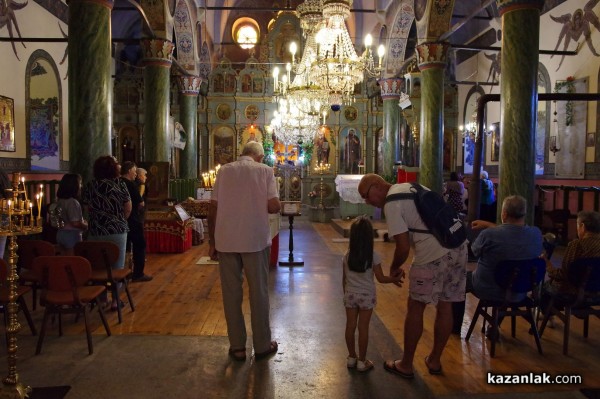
301 92
337 67
305 94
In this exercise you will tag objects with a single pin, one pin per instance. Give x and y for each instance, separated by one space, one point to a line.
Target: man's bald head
373 189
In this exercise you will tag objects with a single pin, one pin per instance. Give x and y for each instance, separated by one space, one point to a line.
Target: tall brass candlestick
11 387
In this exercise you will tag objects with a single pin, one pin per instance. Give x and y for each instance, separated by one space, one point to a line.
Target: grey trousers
255 265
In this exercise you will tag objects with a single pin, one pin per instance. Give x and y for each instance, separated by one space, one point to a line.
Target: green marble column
390 93
90 87
518 98
157 67
189 87
432 61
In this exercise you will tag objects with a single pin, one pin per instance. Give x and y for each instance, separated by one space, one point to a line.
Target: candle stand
16 219
321 168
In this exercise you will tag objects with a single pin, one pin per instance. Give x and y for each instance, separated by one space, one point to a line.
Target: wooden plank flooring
185 299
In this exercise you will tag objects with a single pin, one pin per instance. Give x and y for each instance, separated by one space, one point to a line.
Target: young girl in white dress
361 263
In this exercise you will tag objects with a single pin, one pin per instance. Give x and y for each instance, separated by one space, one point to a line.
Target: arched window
43 112
245 32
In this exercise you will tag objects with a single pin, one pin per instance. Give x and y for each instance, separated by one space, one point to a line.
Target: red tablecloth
167 236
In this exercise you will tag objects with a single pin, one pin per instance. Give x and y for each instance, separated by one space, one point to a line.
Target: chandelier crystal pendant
337 67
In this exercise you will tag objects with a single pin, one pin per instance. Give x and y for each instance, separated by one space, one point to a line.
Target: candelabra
321 168
209 178
13 214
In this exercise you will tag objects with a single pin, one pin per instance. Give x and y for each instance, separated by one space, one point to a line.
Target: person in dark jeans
135 237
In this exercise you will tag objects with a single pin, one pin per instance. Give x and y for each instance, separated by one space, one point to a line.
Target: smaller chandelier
470 129
292 126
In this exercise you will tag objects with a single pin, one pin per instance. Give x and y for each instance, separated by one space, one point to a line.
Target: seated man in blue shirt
511 240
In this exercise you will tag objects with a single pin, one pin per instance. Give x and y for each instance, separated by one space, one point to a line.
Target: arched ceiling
216 17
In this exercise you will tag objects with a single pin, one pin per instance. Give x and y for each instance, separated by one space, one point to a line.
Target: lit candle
9 215
293 49
380 53
30 214
24 189
37 199
275 77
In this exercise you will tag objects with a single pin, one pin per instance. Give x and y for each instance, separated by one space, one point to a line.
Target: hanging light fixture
291 126
300 90
337 67
470 129
305 94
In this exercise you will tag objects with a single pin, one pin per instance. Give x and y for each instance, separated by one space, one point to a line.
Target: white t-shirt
361 283
71 212
400 215
242 190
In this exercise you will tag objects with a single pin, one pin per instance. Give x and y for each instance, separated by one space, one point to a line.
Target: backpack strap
405 196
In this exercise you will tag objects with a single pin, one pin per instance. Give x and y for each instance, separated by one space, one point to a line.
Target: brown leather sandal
271 350
238 354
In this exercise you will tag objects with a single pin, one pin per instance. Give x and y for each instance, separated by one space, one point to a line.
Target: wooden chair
516 277
65 290
584 274
102 255
27 251
5 298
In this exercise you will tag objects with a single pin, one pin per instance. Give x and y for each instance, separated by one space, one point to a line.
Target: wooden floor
185 299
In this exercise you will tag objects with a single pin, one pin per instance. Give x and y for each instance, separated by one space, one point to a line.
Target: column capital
189 85
432 55
157 52
505 6
391 88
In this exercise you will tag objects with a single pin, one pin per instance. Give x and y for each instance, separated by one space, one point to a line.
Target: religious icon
7 124
351 155
223 111
251 112
350 113
286 36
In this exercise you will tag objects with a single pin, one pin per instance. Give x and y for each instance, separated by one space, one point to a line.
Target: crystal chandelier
337 67
292 126
300 91
470 129
305 94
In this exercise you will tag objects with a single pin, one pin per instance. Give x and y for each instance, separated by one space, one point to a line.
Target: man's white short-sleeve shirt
400 215
242 190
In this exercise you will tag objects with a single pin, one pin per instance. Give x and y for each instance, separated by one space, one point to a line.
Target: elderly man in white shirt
244 195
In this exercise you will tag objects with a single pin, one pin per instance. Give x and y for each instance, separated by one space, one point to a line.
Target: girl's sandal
364 366
350 362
